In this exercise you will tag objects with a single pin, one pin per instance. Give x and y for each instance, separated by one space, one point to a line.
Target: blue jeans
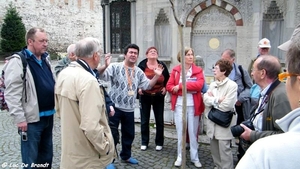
127 130
38 149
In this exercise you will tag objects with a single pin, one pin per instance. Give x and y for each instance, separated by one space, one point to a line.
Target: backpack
242 73
3 105
246 106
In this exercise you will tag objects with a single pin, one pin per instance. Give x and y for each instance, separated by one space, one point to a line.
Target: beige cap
285 46
264 43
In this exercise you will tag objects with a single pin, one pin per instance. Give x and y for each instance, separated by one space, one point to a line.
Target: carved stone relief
162 18
282 4
297 13
273 13
215 18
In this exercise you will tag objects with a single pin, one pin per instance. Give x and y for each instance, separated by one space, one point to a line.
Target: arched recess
213 29
162 34
222 4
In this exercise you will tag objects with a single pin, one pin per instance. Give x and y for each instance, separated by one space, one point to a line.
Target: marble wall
67 21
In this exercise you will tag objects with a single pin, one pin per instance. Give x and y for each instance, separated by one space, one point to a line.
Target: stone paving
149 159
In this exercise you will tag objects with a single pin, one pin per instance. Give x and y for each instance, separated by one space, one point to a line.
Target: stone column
106 5
187 36
133 20
291 15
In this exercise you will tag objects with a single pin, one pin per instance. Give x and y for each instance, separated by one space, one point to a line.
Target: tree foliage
13 31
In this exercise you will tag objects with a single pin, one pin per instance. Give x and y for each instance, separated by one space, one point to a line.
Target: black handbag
219 117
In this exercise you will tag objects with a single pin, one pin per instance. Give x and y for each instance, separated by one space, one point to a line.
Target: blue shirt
255 91
232 73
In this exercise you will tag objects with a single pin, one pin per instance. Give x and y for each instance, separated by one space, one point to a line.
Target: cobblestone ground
10 154
149 159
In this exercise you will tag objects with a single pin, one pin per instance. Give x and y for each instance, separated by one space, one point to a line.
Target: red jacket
190 86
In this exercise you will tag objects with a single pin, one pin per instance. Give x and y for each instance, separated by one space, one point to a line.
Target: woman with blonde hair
195 106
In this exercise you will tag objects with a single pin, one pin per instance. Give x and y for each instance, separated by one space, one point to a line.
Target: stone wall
66 21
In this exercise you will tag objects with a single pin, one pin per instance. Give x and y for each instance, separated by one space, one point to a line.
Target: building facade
208 26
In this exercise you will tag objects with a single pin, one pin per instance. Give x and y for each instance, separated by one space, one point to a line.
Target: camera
23 135
237 130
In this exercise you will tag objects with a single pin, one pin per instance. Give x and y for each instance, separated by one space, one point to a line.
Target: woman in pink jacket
195 106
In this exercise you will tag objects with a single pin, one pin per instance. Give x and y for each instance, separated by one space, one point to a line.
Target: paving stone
149 159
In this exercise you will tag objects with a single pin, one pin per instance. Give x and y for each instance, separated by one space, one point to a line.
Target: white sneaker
158 148
197 164
143 148
177 163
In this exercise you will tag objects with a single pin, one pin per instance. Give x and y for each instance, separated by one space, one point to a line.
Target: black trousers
157 102
239 110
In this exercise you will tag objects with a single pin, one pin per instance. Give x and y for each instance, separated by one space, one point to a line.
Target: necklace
129 80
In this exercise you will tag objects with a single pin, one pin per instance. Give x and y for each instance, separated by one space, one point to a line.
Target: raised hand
158 71
107 59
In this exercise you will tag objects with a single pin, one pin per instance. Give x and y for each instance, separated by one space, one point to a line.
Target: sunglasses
282 76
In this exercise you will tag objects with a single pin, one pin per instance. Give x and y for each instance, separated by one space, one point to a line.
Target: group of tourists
263 111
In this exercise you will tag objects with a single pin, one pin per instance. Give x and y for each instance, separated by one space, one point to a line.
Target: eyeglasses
41 40
282 76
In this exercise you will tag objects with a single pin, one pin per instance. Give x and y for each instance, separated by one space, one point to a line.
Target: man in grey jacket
32 105
273 103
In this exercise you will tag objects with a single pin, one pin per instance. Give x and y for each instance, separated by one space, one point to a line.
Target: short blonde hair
186 50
